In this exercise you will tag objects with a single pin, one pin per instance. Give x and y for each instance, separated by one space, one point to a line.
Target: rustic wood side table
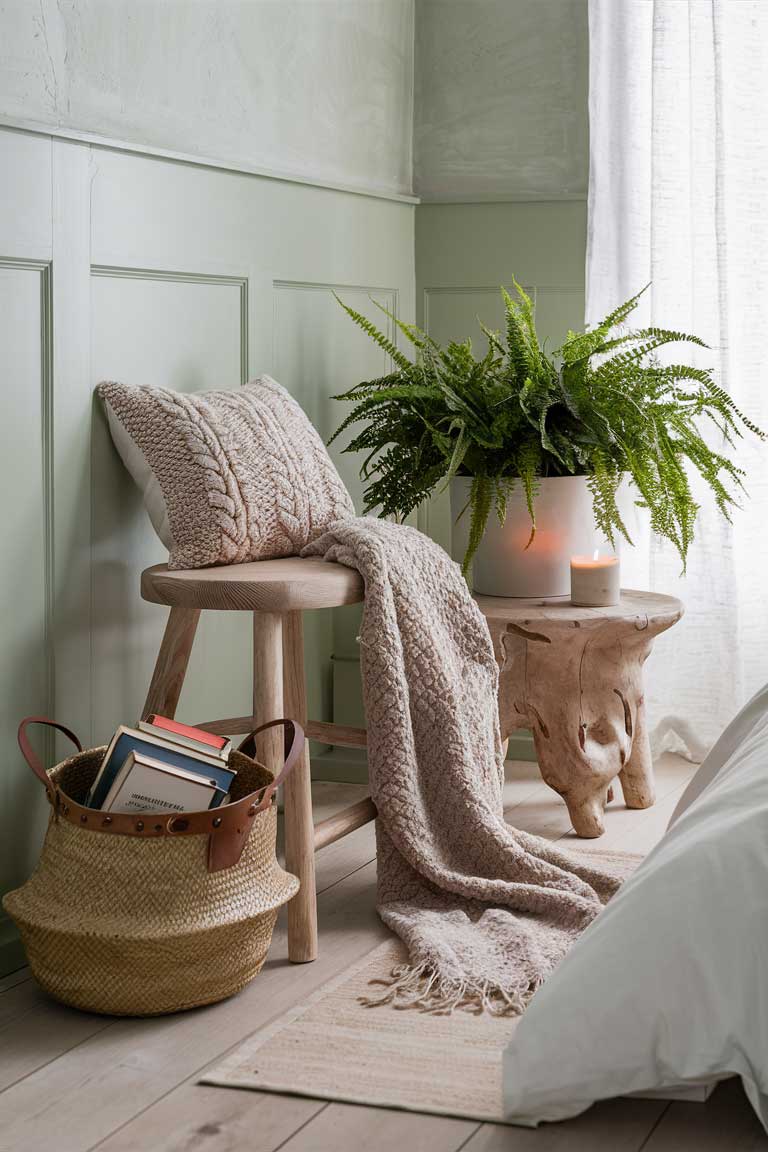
574 676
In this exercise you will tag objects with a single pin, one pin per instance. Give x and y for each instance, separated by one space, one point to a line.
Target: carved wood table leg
636 776
574 676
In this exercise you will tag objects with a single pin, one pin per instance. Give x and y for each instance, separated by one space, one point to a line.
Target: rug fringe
422 988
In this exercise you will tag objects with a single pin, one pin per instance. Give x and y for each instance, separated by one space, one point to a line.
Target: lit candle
595 580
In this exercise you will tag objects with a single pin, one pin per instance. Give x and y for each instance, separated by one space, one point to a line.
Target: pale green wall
501 99
321 89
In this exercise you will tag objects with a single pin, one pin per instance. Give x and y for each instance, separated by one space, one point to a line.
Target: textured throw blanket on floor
485 911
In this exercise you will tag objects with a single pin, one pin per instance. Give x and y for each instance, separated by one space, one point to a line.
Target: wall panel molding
44 269
34 128
279 286
334 286
535 291
125 272
454 290
10 952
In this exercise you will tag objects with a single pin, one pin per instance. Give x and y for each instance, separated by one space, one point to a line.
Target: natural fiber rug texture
332 1047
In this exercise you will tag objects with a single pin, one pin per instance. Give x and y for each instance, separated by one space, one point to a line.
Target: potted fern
532 443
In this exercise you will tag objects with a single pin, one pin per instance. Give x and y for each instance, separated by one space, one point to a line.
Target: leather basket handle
248 748
225 844
31 756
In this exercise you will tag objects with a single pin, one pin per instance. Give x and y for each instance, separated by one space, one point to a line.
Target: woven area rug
332 1047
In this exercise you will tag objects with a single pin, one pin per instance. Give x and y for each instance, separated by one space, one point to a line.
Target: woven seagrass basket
140 915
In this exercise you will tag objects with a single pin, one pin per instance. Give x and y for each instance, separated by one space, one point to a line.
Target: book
187 735
144 784
128 739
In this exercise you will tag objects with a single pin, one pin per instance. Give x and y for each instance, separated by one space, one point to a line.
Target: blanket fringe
422 988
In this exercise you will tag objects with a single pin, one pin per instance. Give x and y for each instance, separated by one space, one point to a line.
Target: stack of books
162 766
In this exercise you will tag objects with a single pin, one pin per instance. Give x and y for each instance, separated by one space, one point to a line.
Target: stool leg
171 663
268 686
299 826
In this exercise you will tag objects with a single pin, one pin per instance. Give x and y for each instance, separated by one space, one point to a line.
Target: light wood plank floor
73 1082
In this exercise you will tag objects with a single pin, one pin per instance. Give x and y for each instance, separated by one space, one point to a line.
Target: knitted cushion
227 477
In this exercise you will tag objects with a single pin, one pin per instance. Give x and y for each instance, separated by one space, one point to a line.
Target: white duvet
669 985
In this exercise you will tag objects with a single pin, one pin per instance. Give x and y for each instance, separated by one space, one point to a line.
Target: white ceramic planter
503 566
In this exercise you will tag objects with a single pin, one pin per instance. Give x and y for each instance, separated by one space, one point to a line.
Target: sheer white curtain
678 196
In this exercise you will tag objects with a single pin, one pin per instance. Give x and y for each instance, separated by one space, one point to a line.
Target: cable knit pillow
226 476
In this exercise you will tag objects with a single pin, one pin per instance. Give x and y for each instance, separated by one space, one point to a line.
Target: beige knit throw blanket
485 911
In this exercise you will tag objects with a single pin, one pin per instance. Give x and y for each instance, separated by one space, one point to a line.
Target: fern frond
493 338
502 492
620 314
378 337
412 332
480 498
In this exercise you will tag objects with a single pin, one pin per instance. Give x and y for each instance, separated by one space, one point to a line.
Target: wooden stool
276 592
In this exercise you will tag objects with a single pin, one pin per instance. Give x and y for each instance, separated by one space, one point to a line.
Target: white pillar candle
595 580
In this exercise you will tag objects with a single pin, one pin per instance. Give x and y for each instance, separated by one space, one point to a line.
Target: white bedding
669 985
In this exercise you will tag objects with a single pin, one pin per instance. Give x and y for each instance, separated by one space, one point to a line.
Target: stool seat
286 585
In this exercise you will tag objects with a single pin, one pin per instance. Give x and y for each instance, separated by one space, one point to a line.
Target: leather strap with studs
228 827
